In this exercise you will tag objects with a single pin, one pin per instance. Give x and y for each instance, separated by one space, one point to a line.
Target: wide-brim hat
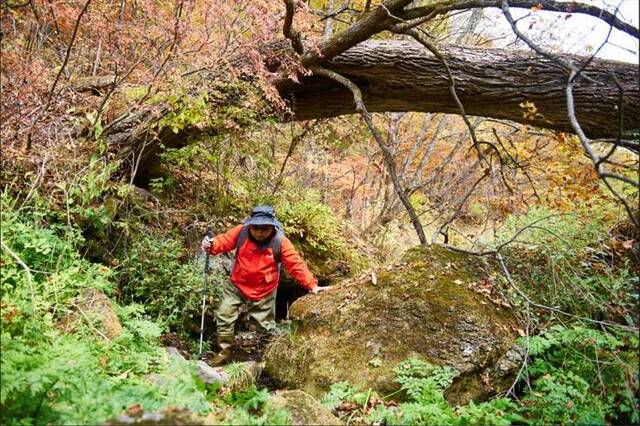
263 215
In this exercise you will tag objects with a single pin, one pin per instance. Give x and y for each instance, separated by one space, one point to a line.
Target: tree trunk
399 76
498 83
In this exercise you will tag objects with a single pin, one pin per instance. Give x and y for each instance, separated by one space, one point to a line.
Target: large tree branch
372 23
287 28
379 19
402 76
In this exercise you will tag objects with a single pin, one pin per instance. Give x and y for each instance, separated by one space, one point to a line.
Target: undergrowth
49 376
574 375
585 263
423 387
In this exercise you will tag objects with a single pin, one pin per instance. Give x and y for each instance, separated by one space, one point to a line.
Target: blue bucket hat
263 215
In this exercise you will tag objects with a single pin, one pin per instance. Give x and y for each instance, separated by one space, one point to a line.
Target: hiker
261 248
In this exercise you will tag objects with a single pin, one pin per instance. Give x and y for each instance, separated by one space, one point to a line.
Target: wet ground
246 347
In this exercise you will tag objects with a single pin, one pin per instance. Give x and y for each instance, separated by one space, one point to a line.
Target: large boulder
436 304
302 408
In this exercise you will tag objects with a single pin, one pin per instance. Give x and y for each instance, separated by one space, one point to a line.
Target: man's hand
317 289
206 244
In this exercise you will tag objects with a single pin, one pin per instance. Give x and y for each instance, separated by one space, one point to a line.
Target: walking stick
204 292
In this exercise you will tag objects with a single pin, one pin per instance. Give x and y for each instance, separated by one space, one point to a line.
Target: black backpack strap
242 237
276 246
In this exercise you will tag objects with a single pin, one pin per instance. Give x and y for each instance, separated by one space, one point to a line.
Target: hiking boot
226 344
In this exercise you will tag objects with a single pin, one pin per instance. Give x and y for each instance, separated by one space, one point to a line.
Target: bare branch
27 271
288 30
549 5
574 73
522 294
389 160
60 72
295 140
452 85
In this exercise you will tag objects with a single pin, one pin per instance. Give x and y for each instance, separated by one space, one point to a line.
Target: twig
460 205
509 279
574 73
292 146
27 270
551 5
39 176
88 321
55 81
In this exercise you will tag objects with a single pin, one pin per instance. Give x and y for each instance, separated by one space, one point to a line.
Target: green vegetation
576 375
49 376
164 118
582 375
157 272
581 262
423 386
582 360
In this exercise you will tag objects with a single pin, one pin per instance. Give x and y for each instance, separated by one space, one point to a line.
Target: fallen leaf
628 244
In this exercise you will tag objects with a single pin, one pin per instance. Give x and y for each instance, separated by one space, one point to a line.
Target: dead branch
389 160
287 29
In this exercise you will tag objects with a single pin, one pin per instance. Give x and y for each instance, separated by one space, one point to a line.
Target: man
261 248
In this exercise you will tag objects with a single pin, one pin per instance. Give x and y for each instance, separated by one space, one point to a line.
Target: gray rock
511 361
211 375
435 319
174 352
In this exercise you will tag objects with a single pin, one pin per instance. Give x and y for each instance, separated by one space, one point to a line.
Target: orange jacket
255 272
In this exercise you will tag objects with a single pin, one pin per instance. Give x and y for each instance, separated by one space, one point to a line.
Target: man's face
260 232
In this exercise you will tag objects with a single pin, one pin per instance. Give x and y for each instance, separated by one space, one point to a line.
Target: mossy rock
94 306
423 306
302 408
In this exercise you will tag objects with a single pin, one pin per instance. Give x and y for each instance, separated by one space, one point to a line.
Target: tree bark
404 76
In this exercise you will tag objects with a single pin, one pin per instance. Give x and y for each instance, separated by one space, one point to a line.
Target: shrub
157 273
582 375
571 261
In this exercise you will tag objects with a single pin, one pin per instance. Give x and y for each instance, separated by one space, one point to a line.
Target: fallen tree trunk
504 84
398 76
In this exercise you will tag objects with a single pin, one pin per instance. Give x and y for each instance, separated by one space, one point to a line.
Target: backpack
275 244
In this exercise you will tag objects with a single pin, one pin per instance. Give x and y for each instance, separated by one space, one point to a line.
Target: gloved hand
317 289
206 244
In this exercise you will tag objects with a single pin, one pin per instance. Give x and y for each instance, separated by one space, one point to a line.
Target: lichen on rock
423 306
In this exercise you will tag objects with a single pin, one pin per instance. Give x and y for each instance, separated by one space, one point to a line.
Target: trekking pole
204 292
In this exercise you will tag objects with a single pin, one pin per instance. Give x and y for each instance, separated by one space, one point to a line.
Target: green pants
263 311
